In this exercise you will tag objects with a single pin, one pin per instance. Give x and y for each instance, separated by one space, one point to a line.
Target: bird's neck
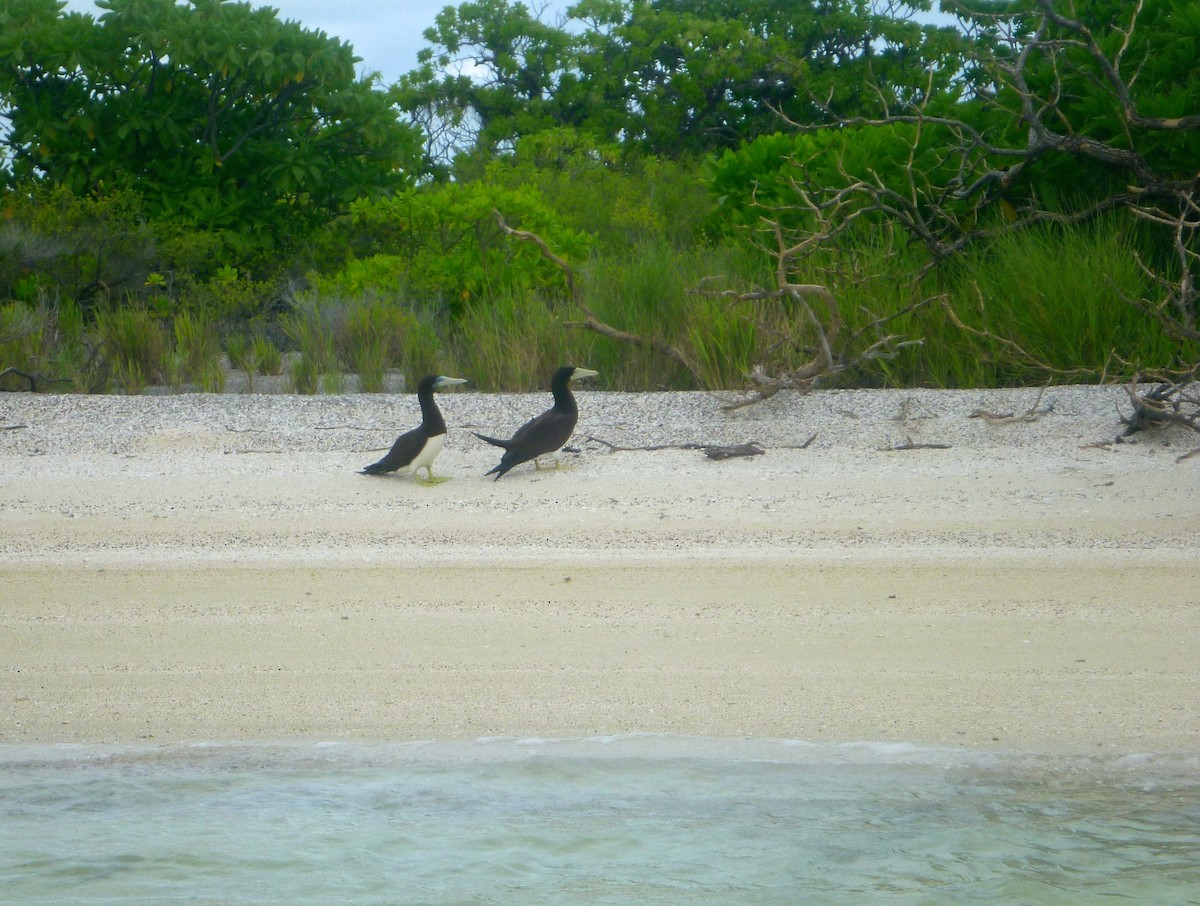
431 417
564 400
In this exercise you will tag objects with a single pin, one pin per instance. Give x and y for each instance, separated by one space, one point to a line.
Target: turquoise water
621 820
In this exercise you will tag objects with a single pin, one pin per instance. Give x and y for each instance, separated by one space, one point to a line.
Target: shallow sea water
634 819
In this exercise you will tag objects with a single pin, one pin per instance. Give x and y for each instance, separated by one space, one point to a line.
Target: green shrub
196 344
134 345
265 355
26 338
306 375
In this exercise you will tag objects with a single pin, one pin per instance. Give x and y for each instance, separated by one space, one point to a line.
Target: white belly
429 453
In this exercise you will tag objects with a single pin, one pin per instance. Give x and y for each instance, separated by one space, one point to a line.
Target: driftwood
910 445
1161 406
1032 414
712 451
1164 405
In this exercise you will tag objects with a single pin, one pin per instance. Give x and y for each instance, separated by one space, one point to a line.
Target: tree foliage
1070 110
216 113
445 246
668 78
169 147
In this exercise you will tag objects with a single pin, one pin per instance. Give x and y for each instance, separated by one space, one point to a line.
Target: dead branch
33 378
1162 406
1032 414
527 236
833 352
910 445
594 324
1176 310
590 321
1039 53
1019 355
712 451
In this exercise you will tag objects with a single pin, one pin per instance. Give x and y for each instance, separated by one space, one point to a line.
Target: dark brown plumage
546 433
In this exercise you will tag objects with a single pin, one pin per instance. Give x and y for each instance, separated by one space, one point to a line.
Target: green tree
443 244
217 114
670 78
492 74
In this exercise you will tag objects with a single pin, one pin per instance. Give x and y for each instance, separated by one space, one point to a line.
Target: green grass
1051 298
198 351
1058 297
514 342
134 345
265 355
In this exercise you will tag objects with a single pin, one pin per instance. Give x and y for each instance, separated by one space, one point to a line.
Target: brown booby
417 449
549 431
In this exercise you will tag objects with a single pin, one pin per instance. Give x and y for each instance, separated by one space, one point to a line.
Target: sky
385 33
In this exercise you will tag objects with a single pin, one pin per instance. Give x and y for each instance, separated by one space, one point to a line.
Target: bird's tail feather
495 442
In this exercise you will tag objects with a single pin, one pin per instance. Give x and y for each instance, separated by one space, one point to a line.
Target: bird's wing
544 434
403 452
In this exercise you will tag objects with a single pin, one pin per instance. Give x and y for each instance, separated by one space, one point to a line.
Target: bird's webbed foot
431 479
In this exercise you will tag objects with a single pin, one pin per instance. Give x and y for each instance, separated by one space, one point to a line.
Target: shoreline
210 568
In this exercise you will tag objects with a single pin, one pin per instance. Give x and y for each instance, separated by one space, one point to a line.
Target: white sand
212 568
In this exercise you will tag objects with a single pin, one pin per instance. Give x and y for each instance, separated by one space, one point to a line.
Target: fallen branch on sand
1161 406
712 451
1032 414
910 445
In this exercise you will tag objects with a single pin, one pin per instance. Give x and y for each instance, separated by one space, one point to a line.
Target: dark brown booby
549 431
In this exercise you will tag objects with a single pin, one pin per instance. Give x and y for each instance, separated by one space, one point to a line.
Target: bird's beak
580 373
448 381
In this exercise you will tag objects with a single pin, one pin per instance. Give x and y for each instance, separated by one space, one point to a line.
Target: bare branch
1016 351
1161 406
560 263
34 378
590 321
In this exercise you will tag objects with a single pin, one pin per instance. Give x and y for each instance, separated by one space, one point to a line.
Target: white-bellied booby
549 431
417 449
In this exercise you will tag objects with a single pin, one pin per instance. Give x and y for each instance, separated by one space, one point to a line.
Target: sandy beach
211 568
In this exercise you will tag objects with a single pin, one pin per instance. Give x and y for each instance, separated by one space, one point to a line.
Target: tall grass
514 342
265 356
197 354
309 329
367 335
237 347
651 290
135 347
26 334
1052 296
